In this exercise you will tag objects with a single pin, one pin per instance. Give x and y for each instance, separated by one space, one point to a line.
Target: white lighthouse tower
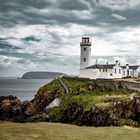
85 60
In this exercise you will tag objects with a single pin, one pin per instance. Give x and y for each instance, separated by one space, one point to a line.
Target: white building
100 71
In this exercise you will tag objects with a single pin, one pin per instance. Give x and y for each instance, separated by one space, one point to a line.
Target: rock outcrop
11 108
47 94
125 112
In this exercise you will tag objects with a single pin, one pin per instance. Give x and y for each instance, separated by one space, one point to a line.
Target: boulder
28 108
6 106
11 108
10 97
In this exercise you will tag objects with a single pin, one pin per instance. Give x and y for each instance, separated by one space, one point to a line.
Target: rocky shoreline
11 108
52 104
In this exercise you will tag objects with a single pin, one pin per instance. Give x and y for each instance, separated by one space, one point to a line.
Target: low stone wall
130 85
117 84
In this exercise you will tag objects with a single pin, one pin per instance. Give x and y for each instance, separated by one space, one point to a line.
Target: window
87 40
84 49
120 71
84 59
115 71
123 72
106 70
127 72
84 40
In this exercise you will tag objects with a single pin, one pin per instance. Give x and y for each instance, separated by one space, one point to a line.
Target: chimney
96 62
127 66
117 62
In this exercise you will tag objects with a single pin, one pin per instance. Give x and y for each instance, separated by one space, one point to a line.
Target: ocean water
24 89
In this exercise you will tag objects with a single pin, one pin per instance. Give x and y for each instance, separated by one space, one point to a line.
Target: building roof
85 36
100 66
110 66
134 67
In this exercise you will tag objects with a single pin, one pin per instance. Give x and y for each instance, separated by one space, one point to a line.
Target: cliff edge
91 103
78 101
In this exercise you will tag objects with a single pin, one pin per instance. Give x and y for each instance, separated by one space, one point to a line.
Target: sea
24 89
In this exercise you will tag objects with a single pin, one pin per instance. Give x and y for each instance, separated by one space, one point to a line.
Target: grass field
53 131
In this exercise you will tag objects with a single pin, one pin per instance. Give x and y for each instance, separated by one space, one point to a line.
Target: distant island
41 75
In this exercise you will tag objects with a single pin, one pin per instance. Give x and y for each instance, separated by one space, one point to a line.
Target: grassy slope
83 91
87 94
52 131
96 96
52 89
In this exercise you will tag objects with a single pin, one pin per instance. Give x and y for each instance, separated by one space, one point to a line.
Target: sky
45 35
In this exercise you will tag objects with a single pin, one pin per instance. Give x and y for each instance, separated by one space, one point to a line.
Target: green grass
84 91
52 86
89 97
94 98
57 131
53 89
74 83
97 96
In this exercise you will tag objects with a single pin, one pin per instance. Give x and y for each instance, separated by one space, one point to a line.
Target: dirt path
63 84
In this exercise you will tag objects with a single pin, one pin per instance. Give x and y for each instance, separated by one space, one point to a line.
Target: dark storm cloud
19 5
19 11
104 12
40 4
30 39
7 47
32 57
61 12
73 5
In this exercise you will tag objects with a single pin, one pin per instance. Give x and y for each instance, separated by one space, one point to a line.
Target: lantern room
85 41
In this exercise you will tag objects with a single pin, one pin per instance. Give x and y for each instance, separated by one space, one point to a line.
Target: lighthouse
85 60
103 71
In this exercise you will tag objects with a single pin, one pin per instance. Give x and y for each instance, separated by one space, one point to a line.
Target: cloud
48 47
119 4
73 5
82 12
45 35
119 17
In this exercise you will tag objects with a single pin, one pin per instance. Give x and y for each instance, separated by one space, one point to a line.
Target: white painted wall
137 72
132 73
85 54
117 71
88 73
97 74
105 75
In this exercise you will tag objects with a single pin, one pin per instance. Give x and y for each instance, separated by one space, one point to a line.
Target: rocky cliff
85 102
11 108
